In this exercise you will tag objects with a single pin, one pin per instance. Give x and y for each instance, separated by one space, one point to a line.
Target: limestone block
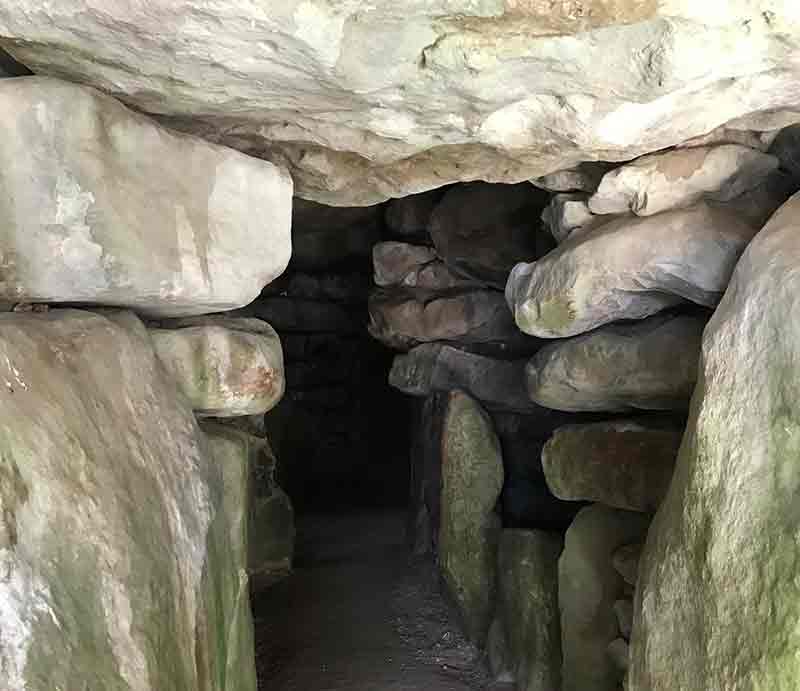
718 586
679 178
469 530
650 364
104 206
625 464
628 269
588 587
119 564
225 367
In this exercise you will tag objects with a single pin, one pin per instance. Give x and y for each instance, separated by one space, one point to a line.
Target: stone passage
524 269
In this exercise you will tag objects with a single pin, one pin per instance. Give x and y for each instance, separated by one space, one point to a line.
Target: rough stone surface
585 177
677 179
117 563
497 384
481 231
410 215
624 611
628 269
98 207
626 562
469 530
646 365
569 213
367 103
588 587
625 464
225 367
394 262
404 319
527 593
718 585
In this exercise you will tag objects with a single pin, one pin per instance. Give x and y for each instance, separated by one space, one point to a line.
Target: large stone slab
527 573
651 365
625 464
718 586
469 530
497 384
481 230
393 100
403 319
226 367
118 566
588 587
628 269
677 179
103 206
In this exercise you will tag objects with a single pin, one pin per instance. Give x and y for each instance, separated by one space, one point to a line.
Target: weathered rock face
528 607
370 103
625 464
569 213
404 319
679 178
98 208
588 587
469 530
628 269
481 231
718 586
647 365
225 367
497 384
118 557
394 262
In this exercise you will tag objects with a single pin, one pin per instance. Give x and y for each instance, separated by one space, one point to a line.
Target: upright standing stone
528 606
472 477
719 596
588 587
102 205
119 566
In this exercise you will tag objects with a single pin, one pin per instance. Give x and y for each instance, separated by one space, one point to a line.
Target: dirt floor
361 614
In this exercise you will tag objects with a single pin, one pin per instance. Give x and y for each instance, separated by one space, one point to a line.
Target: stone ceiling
369 100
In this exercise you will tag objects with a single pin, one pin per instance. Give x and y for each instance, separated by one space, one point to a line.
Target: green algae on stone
472 477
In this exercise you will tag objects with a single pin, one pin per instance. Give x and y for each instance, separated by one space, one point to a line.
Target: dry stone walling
594 415
136 485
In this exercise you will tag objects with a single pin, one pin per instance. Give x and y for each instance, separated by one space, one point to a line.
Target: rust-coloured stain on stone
683 164
553 17
260 381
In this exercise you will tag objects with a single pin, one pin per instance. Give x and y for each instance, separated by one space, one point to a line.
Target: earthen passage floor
360 614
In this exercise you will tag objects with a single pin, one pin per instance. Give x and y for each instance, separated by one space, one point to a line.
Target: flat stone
225 367
588 587
625 464
718 587
469 530
497 384
394 261
481 230
410 215
403 319
528 606
628 269
679 178
650 364
120 564
101 210
369 105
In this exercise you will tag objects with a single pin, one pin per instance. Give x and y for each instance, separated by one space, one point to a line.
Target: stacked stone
644 249
125 524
